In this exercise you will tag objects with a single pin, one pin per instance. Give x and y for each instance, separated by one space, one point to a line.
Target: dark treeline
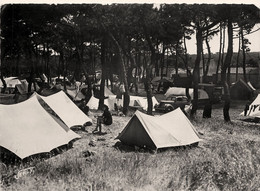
121 39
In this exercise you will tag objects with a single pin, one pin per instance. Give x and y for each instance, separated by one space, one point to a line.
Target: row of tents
43 123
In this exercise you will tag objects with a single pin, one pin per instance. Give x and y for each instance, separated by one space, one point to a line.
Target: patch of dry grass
228 158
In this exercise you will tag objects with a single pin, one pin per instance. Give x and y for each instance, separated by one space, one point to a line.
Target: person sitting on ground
106 119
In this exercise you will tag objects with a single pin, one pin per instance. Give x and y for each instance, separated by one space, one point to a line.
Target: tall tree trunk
244 54
238 54
186 57
124 72
148 72
17 65
220 51
103 77
48 71
176 59
223 44
162 61
167 62
196 72
223 72
64 74
228 75
203 60
209 54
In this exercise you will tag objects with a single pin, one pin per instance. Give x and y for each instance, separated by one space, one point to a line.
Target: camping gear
27 129
155 132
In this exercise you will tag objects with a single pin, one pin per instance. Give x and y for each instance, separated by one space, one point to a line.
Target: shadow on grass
10 159
129 148
251 120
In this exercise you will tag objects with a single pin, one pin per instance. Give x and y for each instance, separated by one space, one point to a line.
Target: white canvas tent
69 113
107 92
254 108
76 95
142 101
168 130
11 82
27 129
182 92
23 87
110 101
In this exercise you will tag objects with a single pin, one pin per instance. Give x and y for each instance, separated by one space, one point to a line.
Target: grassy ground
228 158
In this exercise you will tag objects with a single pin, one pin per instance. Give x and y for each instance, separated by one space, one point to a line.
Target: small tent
75 95
23 87
27 129
107 92
254 108
11 82
109 101
69 113
241 91
182 92
168 130
142 101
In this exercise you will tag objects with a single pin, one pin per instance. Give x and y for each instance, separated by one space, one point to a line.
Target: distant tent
27 129
142 101
69 113
107 92
254 108
135 104
77 96
182 92
241 91
158 79
23 87
168 130
110 102
93 103
11 82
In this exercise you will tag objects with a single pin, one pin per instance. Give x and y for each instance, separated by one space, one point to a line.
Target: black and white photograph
130 96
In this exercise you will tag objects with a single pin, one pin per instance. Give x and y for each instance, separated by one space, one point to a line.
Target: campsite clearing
227 159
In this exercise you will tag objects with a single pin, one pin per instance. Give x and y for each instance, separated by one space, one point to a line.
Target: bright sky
254 38
214 43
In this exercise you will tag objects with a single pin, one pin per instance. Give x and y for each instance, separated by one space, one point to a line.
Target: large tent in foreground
69 113
254 108
27 129
154 132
